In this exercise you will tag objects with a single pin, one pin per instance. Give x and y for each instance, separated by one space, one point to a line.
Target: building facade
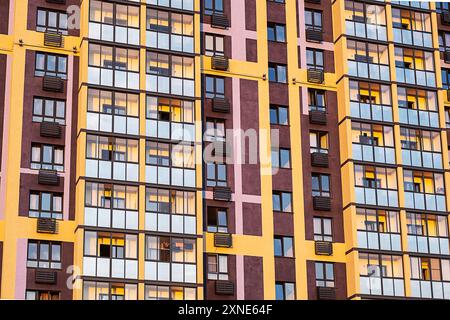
224 149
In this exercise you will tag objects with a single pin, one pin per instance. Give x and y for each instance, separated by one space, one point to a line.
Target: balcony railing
359 28
110 267
363 68
425 159
430 289
371 153
377 197
416 77
419 117
430 245
425 201
413 38
375 285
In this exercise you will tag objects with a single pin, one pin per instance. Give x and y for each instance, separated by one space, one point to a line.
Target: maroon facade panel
253 278
73 139
226 12
340 283
4 16
333 170
1 264
327 21
62 277
276 12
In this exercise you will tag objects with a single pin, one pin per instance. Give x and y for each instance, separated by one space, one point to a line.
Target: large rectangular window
50 65
45 205
45 156
51 21
44 254
49 110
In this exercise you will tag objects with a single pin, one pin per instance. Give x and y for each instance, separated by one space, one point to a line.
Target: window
375 177
314 59
217 267
170 65
215 87
316 100
49 110
214 45
445 78
50 65
277 73
217 220
444 42
45 205
49 157
283 246
281 158
41 295
216 174
44 254
418 107
276 32
440 6
324 274
114 14
372 134
48 20
109 196
282 201
381 274
318 141
110 245
215 130
153 292
322 229
313 20
430 277
279 115
168 249
320 185
428 225
284 291
213 7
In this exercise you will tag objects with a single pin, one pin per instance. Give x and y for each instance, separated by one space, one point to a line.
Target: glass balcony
373 153
372 285
379 240
359 28
373 71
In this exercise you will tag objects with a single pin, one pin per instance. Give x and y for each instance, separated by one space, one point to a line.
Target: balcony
376 196
50 129
222 193
363 67
379 240
48 177
53 39
223 240
47 225
314 35
412 37
321 203
445 18
52 84
371 111
326 293
430 289
406 74
315 75
220 21
317 115
45 277
219 63
319 159
221 105
224 287
323 248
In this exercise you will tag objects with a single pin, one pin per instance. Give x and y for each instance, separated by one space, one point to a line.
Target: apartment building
224 149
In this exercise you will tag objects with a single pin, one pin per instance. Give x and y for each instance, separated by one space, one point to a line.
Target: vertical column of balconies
139 186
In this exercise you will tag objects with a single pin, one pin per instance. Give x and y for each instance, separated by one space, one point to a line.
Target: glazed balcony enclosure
424 190
368 60
371 101
365 20
427 233
421 148
376 186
